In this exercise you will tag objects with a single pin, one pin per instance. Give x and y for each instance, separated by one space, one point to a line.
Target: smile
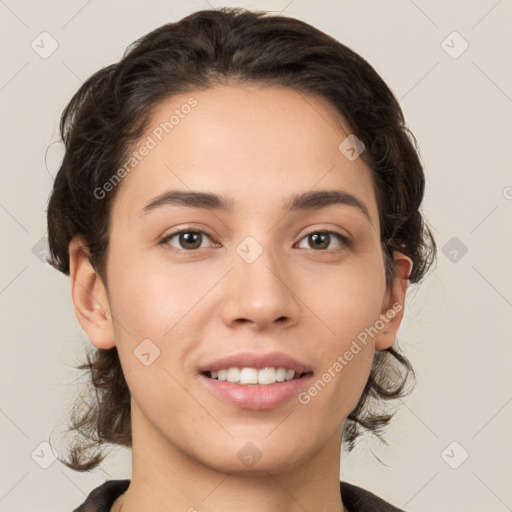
245 376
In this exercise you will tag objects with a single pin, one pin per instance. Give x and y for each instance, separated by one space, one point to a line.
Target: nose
260 293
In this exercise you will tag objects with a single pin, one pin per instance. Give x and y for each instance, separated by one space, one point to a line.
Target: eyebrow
313 200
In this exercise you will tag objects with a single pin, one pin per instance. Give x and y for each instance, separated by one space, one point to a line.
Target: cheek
347 305
153 332
346 299
152 299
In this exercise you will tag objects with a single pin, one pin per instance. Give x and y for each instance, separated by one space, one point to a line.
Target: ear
89 296
394 302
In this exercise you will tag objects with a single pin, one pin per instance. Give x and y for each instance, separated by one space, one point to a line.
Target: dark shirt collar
355 498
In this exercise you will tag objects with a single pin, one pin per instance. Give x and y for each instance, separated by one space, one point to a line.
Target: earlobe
89 297
394 304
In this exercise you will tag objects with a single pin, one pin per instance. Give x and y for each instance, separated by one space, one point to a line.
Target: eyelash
345 242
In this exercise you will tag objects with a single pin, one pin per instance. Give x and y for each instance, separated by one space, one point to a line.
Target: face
188 285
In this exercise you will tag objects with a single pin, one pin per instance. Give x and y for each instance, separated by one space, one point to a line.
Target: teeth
244 376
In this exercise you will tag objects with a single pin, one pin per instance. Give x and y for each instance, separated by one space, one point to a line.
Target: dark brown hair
111 111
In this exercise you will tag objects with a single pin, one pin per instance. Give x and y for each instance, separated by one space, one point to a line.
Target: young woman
238 209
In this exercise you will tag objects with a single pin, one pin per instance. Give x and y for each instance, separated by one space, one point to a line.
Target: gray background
457 324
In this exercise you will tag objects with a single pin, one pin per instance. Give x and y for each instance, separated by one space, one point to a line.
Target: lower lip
254 396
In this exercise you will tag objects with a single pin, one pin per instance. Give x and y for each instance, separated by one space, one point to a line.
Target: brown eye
320 240
190 240
187 239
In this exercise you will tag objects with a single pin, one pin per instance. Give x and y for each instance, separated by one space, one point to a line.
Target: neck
170 477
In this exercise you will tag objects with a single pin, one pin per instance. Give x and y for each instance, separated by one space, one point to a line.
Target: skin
258 146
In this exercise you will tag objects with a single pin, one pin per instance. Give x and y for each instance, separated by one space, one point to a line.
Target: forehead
257 145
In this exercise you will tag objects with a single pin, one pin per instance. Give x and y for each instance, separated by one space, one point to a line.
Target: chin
254 457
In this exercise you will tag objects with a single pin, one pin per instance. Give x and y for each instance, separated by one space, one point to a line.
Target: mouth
268 394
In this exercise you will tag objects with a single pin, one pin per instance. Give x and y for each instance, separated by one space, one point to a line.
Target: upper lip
257 361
